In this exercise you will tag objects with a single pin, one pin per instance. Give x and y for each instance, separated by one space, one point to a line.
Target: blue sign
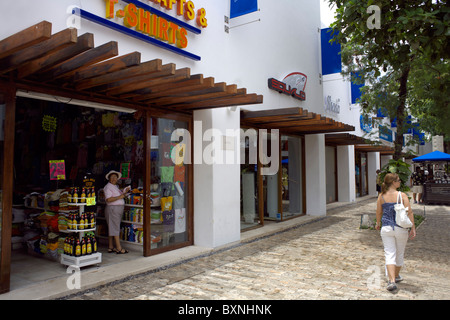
366 126
385 133
356 89
241 7
331 53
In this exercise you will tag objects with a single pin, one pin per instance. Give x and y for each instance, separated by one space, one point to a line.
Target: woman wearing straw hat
114 210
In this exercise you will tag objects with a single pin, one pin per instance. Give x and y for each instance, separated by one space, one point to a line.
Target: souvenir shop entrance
104 111
282 195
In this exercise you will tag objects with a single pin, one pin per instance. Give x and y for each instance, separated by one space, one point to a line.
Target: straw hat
119 175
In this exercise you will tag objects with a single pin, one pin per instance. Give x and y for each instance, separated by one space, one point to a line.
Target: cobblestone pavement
327 259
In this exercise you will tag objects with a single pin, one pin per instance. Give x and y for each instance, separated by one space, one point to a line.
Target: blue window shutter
242 7
331 57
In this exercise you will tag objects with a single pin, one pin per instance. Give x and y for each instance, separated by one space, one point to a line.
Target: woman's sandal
111 250
123 251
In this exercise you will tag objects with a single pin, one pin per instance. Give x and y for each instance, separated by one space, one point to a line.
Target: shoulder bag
401 216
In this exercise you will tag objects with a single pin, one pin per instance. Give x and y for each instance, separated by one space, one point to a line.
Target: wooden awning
65 64
383 150
292 121
340 139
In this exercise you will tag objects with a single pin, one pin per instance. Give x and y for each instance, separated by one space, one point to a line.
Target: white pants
394 241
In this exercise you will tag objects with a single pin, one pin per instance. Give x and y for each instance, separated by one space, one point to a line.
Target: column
346 173
216 177
315 175
373 164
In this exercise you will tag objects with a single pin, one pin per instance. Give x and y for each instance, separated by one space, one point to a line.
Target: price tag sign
57 170
90 201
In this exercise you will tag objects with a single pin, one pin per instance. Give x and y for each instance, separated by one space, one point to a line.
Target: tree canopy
399 50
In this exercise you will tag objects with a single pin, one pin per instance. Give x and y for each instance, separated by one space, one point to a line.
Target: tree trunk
398 143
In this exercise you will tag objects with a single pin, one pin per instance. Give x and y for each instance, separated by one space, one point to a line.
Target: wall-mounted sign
148 24
331 106
365 123
293 85
385 133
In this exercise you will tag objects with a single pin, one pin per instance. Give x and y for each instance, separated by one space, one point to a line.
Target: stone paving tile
328 259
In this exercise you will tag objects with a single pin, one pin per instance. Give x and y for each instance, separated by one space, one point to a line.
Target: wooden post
7 187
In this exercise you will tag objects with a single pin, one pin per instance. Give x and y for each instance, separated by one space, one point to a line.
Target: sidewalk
341 216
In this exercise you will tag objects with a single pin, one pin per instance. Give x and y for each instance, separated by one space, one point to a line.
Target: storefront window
249 186
271 186
361 174
291 176
330 169
169 225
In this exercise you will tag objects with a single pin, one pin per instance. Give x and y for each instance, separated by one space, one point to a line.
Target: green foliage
399 167
403 64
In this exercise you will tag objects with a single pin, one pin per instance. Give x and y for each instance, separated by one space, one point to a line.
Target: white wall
217 182
315 175
346 173
373 164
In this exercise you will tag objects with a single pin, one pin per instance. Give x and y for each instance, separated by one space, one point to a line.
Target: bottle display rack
81 260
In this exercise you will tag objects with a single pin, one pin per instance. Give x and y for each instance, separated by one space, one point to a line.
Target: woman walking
394 237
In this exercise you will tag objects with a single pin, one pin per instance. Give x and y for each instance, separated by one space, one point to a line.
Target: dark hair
389 179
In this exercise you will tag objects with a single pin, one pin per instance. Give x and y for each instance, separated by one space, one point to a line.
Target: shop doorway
291 180
361 178
91 142
331 173
275 197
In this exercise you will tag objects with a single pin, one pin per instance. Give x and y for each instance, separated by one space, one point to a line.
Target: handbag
401 217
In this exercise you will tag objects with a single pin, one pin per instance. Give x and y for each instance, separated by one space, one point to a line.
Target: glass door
169 186
249 183
291 181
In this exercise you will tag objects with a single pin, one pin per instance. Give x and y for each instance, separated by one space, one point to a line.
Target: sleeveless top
388 218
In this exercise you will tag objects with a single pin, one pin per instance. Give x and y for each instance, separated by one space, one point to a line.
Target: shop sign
151 25
385 133
292 85
365 124
332 106
57 170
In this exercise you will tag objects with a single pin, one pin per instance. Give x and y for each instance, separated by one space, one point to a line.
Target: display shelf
77 231
86 260
94 258
134 205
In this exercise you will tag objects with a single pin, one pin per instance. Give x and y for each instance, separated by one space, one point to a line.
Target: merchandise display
59 187
80 248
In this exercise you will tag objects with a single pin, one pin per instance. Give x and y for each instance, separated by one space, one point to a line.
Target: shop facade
88 106
195 80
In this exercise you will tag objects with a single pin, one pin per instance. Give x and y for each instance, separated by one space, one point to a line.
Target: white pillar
373 164
216 185
346 173
315 175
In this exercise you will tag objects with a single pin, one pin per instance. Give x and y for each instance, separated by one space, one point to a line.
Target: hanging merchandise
49 123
